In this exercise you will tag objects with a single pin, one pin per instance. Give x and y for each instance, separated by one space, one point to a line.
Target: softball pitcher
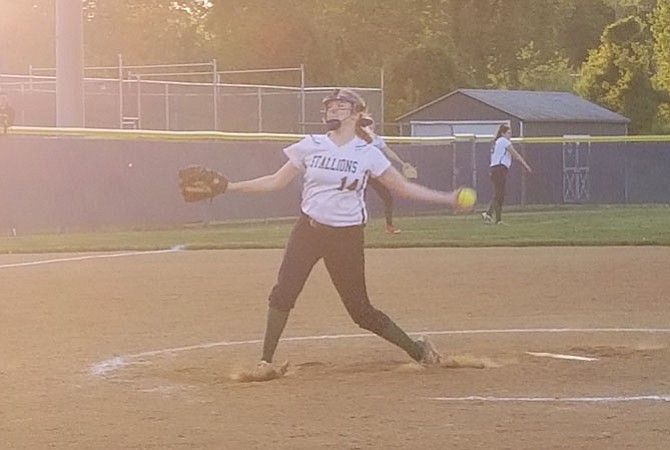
336 168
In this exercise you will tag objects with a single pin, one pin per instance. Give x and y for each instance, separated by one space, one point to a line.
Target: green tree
489 37
267 34
581 25
660 29
539 72
144 31
625 8
340 43
426 47
618 74
419 76
26 35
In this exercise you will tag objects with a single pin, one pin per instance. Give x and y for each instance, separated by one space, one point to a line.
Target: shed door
576 176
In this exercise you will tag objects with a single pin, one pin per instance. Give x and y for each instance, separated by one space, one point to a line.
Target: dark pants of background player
498 177
386 197
342 251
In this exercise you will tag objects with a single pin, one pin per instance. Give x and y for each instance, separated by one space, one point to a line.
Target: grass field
557 226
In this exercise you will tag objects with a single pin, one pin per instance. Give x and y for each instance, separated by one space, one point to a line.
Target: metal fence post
120 62
167 106
139 101
453 165
302 98
523 178
625 175
474 163
381 100
260 109
215 83
23 102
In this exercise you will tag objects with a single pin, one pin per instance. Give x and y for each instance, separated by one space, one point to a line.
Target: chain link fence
179 98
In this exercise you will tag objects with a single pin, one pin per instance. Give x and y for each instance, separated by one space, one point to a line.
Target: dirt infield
137 352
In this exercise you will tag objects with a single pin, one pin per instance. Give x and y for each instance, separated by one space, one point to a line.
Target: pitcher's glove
200 183
409 171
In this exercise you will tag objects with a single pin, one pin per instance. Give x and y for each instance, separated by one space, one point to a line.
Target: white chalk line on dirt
560 356
636 398
109 365
176 248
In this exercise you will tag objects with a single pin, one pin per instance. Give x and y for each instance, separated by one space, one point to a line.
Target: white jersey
500 154
334 178
378 142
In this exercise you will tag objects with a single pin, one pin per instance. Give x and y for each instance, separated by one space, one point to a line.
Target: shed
529 113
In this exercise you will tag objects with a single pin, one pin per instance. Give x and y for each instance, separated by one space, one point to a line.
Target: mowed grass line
560 226
601 226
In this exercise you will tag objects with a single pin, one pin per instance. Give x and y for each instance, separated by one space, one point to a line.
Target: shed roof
537 106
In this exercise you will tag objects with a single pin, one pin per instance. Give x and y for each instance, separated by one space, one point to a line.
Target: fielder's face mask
341 95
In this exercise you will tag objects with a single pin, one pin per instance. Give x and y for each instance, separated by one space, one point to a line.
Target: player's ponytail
362 130
362 133
502 129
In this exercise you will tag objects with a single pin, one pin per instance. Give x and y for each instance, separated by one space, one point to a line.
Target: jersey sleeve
378 142
378 161
296 153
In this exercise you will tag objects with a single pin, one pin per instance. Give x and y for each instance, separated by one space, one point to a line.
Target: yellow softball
466 198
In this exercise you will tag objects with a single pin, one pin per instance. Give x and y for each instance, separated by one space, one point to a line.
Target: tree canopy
614 52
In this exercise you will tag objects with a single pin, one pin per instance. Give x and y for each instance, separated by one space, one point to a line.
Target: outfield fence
86 178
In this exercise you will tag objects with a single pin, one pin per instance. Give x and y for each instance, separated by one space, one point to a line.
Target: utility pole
69 64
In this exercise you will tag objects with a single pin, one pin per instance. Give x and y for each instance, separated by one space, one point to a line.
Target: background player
502 152
407 170
6 112
336 168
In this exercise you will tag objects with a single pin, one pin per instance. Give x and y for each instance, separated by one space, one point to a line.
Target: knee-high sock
274 327
395 335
